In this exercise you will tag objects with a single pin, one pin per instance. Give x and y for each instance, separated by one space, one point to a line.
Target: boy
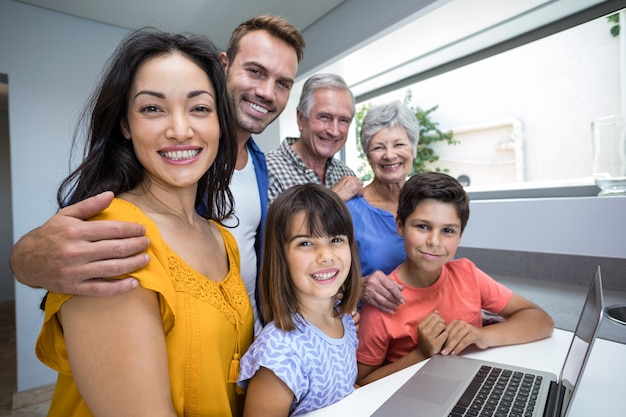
444 298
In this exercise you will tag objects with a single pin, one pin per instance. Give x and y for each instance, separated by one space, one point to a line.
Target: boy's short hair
437 186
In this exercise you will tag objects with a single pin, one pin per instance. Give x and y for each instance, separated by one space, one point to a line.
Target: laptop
457 386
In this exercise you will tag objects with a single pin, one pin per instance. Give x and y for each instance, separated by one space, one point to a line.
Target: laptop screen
584 335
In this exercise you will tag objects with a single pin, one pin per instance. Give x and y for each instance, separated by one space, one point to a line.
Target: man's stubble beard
249 125
245 122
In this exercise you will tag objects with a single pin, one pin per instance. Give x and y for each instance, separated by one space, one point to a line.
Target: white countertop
602 390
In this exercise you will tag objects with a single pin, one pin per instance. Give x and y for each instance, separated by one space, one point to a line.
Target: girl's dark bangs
325 219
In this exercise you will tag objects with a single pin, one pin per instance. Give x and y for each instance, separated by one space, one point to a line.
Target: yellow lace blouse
207 326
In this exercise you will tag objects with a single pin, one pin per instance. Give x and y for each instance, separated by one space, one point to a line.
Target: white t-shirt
248 210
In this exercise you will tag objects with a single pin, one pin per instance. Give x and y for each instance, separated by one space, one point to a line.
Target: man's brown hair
276 26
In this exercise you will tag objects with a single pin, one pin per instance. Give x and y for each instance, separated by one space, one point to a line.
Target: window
520 108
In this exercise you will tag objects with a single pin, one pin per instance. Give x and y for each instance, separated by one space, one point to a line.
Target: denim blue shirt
260 170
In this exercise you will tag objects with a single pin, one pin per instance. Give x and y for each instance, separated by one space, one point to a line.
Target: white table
602 390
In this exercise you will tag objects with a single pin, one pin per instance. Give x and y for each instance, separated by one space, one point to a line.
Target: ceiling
438 43
214 18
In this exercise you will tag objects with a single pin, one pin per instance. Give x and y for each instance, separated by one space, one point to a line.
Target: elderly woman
389 136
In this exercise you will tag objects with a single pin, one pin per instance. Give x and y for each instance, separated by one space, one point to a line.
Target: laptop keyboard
497 392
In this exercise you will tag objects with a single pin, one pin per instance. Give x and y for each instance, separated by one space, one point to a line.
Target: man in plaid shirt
325 112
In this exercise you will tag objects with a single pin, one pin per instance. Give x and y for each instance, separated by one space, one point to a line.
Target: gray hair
317 82
382 116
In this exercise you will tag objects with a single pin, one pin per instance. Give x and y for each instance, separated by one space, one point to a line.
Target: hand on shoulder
68 254
382 292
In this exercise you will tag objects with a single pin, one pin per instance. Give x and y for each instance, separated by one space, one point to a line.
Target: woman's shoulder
224 232
356 202
120 208
229 242
124 210
361 207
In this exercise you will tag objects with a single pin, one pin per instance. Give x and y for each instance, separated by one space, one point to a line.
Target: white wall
353 24
584 226
52 61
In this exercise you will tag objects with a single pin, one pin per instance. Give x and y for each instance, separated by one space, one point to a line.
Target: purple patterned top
318 369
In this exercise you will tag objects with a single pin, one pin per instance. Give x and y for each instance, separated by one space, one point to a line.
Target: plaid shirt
286 169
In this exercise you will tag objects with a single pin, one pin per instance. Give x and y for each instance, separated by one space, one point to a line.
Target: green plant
429 133
614 21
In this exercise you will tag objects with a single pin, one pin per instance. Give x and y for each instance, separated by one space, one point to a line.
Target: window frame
509 191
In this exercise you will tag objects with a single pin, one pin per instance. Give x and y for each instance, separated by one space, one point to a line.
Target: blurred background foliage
429 133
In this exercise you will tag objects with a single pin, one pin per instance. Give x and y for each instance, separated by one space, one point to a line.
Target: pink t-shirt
460 293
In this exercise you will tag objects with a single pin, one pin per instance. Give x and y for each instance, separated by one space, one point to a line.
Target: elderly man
324 113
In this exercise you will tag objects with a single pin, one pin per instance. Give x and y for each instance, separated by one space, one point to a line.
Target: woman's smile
180 155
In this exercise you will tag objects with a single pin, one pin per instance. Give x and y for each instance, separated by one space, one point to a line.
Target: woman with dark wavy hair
160 137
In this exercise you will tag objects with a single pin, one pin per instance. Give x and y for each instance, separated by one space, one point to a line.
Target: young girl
161 138
304 359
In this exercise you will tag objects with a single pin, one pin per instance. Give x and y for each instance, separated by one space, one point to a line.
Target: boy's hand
460 335
431 334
